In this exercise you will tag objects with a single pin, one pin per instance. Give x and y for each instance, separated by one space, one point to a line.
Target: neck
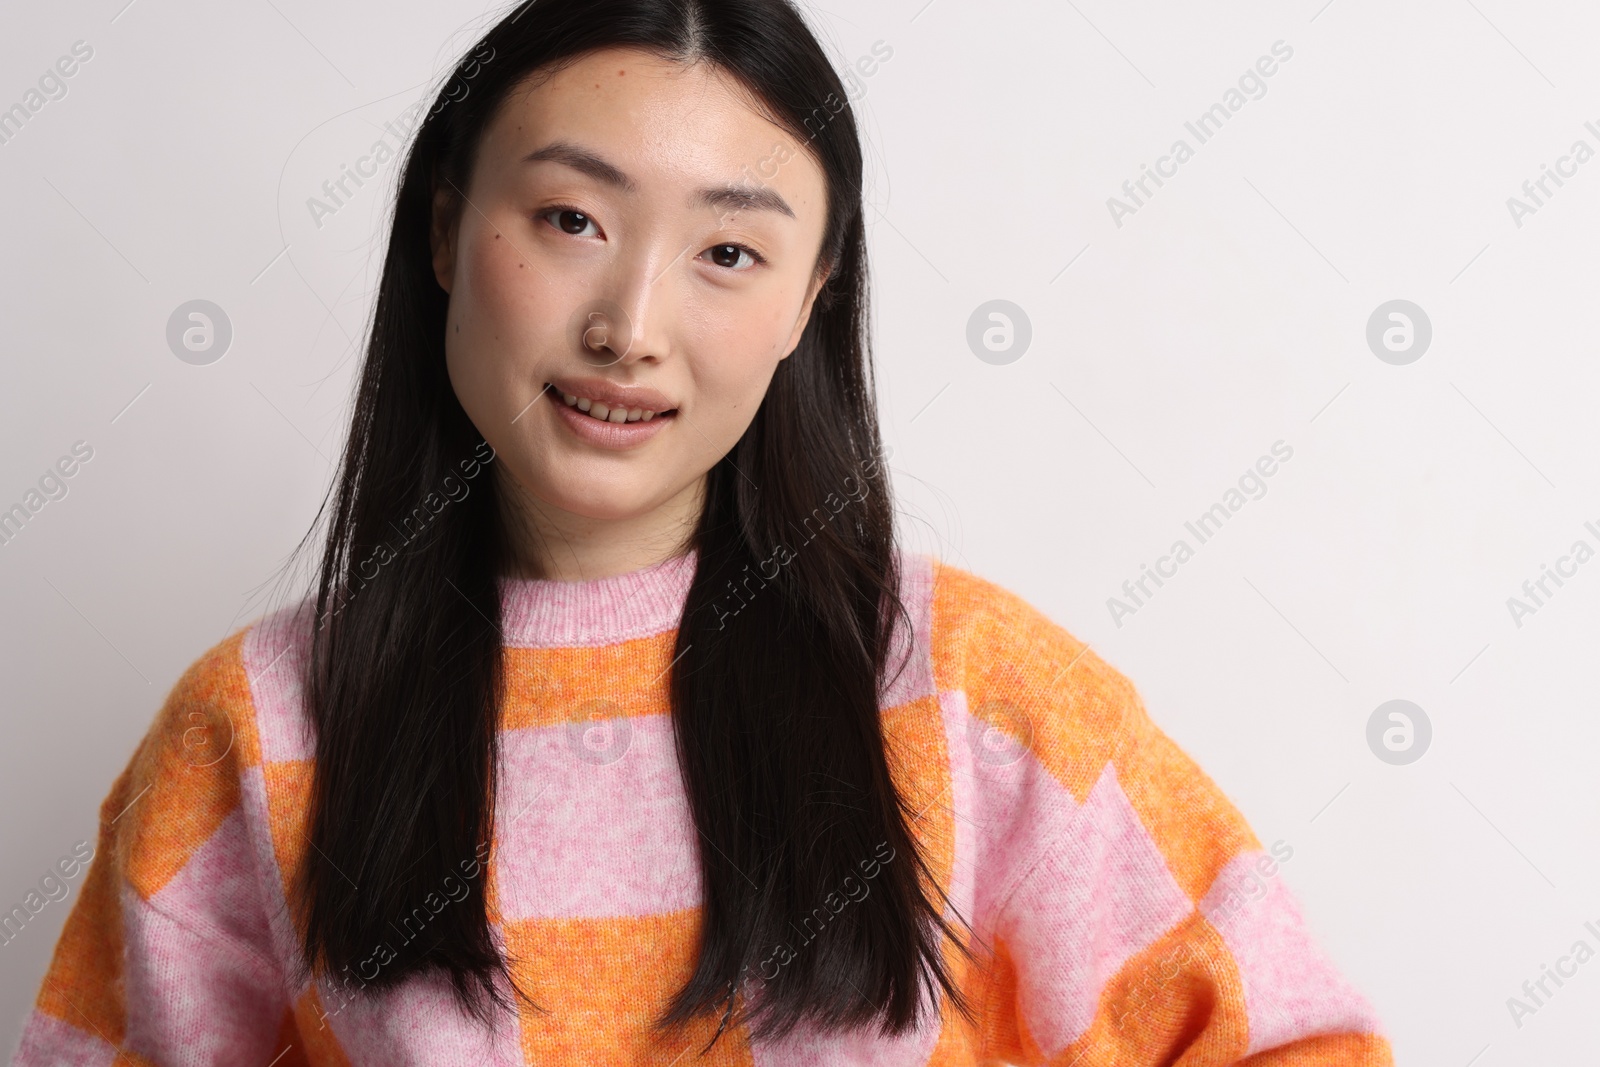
549 542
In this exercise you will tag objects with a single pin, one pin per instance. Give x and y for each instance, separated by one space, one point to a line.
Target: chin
609 500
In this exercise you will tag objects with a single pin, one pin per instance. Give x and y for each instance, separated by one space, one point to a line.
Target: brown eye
569 220
728 256
573 222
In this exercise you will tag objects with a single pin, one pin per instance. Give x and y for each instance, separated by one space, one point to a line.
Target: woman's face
636 238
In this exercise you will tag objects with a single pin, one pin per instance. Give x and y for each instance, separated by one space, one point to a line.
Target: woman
618 730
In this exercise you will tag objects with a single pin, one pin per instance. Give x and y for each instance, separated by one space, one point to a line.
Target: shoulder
1017 671
195 725
971 607
235 706
983 633
274 652
182 781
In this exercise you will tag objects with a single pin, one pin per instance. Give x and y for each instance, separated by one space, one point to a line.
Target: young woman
618 730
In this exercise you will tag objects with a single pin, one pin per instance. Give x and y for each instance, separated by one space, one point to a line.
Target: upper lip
613 395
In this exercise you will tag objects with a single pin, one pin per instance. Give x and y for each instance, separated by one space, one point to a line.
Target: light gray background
1167 354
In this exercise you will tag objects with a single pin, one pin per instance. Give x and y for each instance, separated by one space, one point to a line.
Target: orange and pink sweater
1124 911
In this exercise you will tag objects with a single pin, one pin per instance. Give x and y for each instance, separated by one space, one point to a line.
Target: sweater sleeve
1162 905
1133 917
167 956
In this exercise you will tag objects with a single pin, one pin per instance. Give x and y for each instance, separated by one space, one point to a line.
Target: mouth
614 413
620 417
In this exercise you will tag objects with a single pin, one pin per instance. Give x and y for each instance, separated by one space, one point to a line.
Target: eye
570 220
728 256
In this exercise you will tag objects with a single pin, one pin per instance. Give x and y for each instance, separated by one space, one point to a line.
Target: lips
613 403
610 416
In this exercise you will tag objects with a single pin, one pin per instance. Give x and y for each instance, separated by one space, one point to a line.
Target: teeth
598 410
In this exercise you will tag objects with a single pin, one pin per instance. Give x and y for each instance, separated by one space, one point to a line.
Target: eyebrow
731 196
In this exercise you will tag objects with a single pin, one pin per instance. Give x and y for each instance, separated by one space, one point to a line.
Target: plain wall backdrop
1152 348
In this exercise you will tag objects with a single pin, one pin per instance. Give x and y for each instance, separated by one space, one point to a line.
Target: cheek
497 289
500 312
734 368
748 344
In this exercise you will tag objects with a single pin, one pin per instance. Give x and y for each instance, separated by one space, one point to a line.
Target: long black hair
775 709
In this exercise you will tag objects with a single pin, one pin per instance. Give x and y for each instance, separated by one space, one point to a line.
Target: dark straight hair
775 708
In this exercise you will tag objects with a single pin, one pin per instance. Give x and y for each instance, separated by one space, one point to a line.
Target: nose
626 323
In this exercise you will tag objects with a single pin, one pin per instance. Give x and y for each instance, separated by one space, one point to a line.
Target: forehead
661 123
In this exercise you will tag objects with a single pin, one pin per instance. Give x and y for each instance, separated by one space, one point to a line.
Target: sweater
1124 911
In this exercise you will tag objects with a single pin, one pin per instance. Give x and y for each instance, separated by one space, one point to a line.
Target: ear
442 235
805 312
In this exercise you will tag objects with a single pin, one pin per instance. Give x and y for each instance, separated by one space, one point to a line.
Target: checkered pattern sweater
1124 911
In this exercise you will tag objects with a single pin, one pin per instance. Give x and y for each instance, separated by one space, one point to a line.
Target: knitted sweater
1124 911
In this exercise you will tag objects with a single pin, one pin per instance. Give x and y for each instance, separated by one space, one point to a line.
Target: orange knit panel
918 757
1327 1050
1183 991
184 775
601 981
84 983
289 1048
1024 675
554 686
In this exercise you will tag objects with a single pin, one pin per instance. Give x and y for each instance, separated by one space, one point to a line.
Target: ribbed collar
544 613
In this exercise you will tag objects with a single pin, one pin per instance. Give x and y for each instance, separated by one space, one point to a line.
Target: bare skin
615 216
